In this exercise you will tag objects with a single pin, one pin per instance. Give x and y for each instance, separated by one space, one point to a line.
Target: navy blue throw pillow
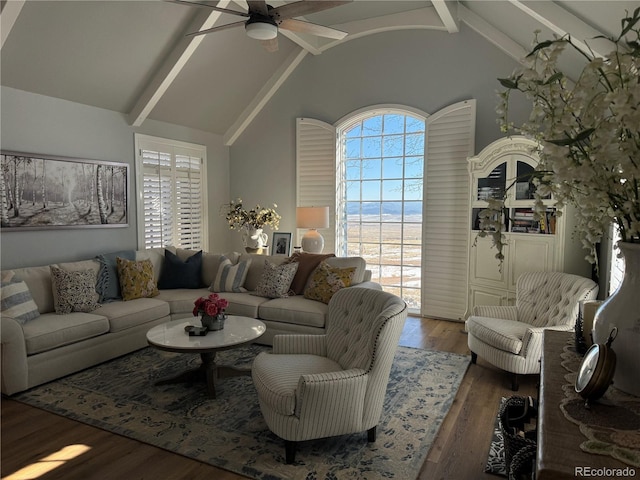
177 273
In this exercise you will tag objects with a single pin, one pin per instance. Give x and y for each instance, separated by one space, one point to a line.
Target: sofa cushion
276 280
210 262
124 315
181 300
178 273
296 309
136 279
38 279
257 267
243 304
307 263
108 284
156 256
326 281
16 301
500 333
230 278
50 330
74 291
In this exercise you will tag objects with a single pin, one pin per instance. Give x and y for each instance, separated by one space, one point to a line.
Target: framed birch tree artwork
43 192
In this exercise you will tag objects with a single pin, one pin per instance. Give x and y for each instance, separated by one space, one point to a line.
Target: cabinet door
481 295
529 253
485 267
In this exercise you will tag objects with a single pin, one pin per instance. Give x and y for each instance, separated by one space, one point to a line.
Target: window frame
173 148
342 138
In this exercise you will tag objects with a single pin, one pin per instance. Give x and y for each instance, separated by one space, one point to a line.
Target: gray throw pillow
108 285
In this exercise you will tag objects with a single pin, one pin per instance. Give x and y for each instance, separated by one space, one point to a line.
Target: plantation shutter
188 202
450 140
171 193
316 173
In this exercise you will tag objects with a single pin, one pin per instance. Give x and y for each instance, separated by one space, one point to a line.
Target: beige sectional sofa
54 345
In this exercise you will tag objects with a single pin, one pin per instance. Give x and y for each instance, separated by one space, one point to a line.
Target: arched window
380 196
411 224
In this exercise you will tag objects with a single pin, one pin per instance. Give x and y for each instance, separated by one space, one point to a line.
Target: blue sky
378 148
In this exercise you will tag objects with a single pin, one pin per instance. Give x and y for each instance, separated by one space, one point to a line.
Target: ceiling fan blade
270 45
215 29
312 28
305 7
258 6
217 9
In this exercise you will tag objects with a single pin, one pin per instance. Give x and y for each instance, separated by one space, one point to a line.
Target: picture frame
281 244
44 192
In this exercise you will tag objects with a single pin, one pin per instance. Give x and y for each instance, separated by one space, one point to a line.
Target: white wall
424 69
38 124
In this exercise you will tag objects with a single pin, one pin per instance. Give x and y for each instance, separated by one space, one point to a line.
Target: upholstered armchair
510 337
316 386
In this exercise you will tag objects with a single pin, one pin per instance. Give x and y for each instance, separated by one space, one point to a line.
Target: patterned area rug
495 459
230 433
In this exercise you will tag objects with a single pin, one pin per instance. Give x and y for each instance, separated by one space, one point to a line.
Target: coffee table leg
210 371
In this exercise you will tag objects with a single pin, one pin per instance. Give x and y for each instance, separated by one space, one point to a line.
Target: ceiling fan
263 21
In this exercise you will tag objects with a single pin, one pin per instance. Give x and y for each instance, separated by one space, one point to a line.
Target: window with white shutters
171 185
443 250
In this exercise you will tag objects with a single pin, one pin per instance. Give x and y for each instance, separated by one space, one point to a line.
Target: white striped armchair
510 337
316 386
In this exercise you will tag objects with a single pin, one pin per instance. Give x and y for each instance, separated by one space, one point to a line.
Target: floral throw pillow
327 280
74 291
136 278
275 281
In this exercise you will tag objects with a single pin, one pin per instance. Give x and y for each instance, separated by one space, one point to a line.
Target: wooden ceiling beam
562 22
173 65
492 34
448 12
264 95
8 16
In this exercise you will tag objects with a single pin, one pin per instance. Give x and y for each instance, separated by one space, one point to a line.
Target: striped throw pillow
17 301
230 277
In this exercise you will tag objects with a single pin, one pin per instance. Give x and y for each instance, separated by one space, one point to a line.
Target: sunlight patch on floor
49 463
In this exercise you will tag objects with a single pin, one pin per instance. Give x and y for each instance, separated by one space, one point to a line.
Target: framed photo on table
281 244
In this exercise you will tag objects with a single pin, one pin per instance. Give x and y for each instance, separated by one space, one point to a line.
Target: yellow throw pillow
136 278
327 280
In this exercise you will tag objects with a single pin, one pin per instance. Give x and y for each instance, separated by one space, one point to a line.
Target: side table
559 455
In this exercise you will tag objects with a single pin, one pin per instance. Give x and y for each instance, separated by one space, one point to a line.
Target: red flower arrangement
211 305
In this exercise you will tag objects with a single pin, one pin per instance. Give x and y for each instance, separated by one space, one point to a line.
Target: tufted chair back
354 324
548 299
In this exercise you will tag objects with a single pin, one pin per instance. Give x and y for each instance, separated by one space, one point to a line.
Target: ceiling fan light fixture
263 28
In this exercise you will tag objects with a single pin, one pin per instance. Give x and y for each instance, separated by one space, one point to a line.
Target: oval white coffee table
237 331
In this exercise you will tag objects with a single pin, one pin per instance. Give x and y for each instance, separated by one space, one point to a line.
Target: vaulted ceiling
134 57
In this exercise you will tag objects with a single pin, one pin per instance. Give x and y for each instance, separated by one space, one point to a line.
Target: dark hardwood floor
44 446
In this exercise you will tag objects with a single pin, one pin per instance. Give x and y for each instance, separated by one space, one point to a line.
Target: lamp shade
312 217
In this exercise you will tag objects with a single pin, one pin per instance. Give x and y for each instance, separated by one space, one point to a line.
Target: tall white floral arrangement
588 132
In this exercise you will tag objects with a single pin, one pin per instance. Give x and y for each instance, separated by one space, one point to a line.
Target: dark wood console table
559 439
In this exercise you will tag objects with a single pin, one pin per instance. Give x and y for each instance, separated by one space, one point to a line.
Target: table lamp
312 218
